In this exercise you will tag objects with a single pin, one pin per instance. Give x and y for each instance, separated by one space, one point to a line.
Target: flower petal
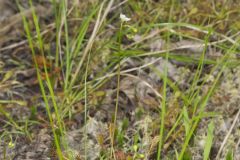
124 18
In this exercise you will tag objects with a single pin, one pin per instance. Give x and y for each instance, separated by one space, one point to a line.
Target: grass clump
131 87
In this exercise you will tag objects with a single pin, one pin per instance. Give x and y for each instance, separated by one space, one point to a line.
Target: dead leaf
42 60
120 155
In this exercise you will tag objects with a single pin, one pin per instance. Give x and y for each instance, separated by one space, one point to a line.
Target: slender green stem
85 106
164 97
118 87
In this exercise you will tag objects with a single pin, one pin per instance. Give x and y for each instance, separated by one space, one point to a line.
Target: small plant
101 62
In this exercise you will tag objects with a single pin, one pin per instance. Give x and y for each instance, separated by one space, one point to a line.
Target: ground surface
25 129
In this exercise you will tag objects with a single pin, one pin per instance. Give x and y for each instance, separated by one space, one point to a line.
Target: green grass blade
208 141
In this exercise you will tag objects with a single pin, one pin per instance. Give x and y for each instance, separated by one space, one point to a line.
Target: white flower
124 18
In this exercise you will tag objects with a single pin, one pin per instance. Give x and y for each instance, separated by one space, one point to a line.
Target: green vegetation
142 84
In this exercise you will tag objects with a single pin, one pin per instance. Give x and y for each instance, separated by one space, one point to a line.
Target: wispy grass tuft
73 56
47 102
